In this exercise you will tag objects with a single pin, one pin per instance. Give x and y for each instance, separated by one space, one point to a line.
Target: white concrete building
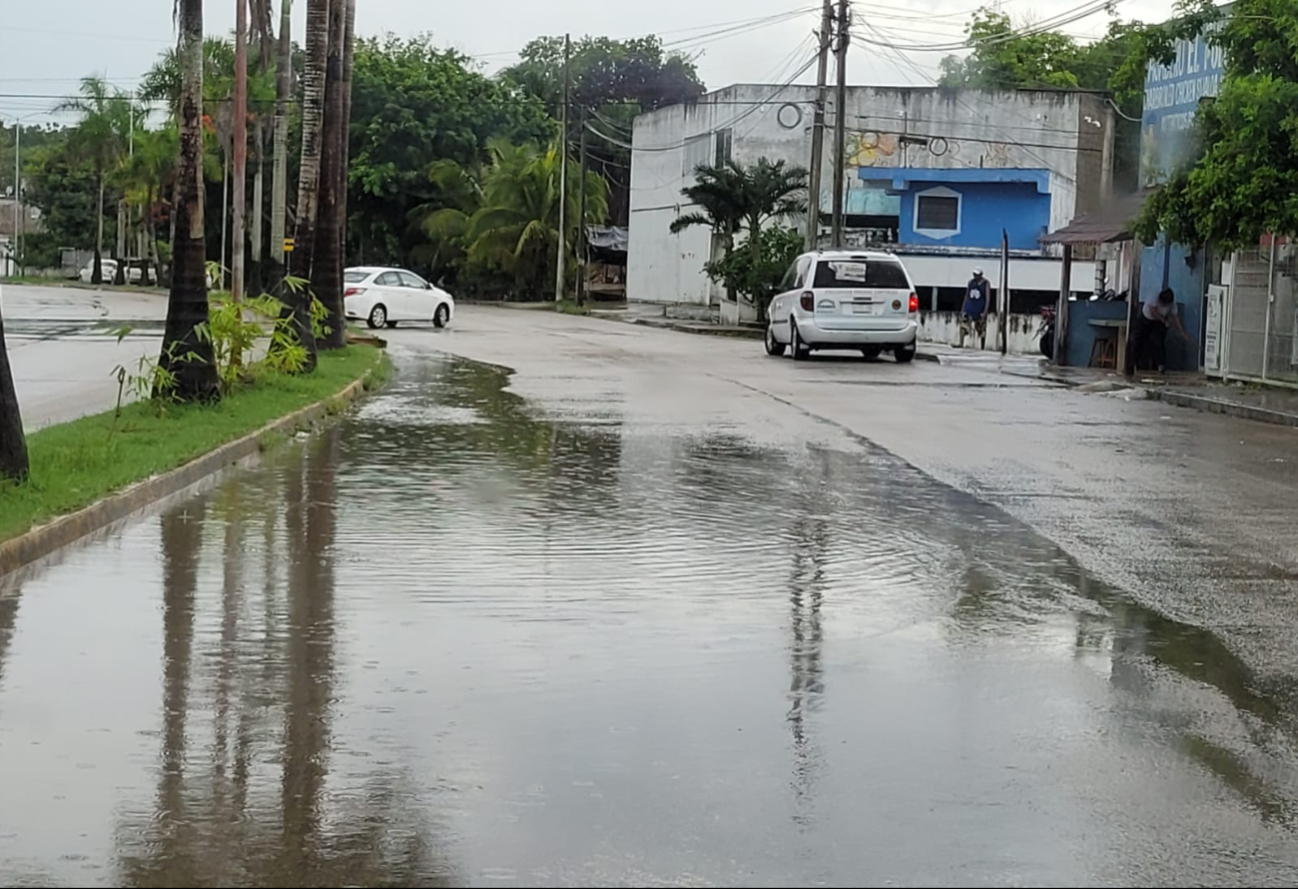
937 173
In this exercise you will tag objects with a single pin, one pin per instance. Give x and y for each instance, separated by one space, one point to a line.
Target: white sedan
109 269
382 296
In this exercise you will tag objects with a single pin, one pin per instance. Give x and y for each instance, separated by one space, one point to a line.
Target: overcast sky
46 46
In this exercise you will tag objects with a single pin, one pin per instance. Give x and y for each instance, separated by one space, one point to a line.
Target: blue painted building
966 207
1172 96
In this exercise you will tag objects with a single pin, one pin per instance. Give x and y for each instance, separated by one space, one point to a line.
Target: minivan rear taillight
808 301
914 303
353 291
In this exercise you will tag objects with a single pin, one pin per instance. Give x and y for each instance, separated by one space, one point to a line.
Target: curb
43 540
1226 408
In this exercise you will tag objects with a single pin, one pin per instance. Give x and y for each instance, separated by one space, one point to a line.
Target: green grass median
77 463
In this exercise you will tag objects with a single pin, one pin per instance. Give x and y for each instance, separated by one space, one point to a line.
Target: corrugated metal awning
1106 225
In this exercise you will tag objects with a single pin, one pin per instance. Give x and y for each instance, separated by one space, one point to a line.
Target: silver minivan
845 299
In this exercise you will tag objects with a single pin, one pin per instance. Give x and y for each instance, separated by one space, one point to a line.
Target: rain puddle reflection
457 641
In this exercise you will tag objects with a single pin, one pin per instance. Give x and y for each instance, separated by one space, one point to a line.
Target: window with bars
725 145
937 211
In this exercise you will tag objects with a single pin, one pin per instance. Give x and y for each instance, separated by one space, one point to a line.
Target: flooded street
599 627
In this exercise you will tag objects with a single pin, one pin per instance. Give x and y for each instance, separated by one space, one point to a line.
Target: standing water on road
457 640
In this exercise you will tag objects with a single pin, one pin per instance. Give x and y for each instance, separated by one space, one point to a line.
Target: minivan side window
875 273
790 279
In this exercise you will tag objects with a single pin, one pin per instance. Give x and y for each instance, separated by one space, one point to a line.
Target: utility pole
818 127
240 146
563 175
581 219
18 194
840 120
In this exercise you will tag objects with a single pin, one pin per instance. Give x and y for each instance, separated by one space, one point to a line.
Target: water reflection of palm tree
220 824
807 583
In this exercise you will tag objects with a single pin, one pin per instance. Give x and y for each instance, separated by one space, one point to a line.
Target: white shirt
1156 311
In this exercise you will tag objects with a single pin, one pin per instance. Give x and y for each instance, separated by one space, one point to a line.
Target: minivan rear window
843 273
355 277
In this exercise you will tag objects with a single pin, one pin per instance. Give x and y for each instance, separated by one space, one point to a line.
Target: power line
728 124
1075 14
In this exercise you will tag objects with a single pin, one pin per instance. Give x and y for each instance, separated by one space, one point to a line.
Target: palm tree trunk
120 277
349 63
184 352
308 186
326 277
13 445
97 277
279 149
258 208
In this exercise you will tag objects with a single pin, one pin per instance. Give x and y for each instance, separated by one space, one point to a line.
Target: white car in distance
845 299
385 297
108 267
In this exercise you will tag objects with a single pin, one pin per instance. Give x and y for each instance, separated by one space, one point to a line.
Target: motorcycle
1046 332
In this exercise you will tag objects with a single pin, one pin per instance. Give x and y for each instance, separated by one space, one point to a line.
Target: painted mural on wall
1172 96
876 150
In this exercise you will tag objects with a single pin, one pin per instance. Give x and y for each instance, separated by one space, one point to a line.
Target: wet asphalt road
656 610
63 345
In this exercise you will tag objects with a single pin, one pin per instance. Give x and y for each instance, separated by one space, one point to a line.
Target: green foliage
413 105
756 274
504 221
611 82
734 197
62 185
605 71
1003 58
74 464
1244 181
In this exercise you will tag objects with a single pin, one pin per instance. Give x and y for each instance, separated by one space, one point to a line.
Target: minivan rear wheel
872 352
904 354
796 345
773 346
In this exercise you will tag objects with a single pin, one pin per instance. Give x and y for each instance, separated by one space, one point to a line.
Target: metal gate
1262 315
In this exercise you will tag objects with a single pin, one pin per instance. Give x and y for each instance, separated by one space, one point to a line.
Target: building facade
938 173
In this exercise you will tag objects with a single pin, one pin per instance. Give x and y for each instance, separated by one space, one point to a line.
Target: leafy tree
1001 60
412 105
756 273
516 230
63 186
186 354
733 197
611 82
1243 183
1004 58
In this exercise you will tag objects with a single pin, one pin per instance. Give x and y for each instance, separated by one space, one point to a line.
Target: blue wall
1172 95
1188 284
1017 201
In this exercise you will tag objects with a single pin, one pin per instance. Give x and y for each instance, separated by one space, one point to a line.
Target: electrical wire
1010 140
1075 14
726 125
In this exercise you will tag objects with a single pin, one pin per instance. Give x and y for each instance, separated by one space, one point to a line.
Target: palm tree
308 186
444 221
734 197
100 137
147 175
516 229
326 270
184 352
13 445
279 140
